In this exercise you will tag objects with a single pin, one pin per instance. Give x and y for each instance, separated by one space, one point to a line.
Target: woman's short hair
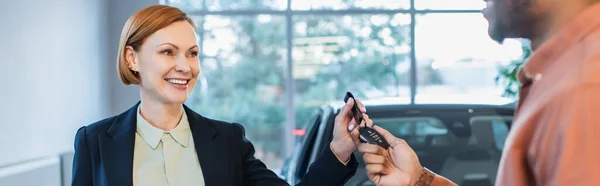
138 27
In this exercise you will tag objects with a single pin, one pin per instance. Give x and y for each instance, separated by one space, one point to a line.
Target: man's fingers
375 169
375 154
374 158
388 156
369 148
391 139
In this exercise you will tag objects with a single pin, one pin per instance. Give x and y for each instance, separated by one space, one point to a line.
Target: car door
299 163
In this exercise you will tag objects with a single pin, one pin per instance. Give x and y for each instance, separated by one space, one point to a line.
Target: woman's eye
194 54
167 52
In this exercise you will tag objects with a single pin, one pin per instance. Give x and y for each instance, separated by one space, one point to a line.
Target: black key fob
355 110
366 134
370 136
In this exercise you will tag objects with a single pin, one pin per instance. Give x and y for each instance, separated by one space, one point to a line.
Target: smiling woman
168 63
160 141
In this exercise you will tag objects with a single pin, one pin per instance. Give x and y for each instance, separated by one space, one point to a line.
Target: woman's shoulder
231 129
222 125
123 121
99 126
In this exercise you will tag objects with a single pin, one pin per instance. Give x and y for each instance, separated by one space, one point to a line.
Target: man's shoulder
578 65
590 66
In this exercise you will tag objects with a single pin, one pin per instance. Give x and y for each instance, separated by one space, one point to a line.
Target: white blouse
165 158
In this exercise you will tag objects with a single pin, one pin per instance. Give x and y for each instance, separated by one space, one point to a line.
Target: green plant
507 75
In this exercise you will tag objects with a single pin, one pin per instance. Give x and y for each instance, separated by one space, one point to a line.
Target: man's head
511 18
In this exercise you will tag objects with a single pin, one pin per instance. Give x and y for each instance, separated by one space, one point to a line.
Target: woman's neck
161 115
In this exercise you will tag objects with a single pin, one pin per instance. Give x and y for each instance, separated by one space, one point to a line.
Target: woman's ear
131 58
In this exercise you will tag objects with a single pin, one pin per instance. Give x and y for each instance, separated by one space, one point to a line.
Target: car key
366 133
370 136
355 110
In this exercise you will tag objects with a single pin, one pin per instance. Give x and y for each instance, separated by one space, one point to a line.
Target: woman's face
167 63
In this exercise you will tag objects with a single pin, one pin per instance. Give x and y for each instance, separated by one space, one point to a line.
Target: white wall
52 74
122 97
57 72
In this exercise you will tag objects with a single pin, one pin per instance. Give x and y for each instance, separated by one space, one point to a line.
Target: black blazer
104 155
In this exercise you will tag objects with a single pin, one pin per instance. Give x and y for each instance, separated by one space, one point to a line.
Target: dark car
462 142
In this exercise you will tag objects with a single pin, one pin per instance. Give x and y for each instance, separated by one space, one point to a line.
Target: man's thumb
391 139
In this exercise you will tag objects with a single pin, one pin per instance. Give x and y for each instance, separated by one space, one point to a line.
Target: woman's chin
177 99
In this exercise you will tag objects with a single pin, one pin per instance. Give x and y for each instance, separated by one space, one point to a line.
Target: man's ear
131 58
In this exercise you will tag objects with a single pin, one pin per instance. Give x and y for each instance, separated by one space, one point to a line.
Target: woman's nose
182 65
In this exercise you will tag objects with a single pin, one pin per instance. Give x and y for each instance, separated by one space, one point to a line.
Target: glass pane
246 4
500 134
243 78
199 21
499 128
414 130
350 4
455 56
461 146
450 4
186 4
366 54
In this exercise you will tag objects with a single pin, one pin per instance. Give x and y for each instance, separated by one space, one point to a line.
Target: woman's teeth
176 81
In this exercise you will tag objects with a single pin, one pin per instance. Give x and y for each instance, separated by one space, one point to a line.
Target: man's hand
396 166
345 131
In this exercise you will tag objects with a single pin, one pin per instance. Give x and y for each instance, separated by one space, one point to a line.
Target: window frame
289 14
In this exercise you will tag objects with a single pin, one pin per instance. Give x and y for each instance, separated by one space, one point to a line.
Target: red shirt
555 138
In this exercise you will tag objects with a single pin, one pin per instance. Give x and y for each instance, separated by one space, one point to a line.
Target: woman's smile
178 83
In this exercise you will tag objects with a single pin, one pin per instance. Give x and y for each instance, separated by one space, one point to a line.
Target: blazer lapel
212 150
116 149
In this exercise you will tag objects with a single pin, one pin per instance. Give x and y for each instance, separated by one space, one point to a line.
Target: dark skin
536 20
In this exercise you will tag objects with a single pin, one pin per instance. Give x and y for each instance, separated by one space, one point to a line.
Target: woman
160 141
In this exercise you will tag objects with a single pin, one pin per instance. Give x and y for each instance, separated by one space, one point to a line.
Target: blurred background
267 64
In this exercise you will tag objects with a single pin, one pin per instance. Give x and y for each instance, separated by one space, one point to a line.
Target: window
358 53
499 127
243 62
456 145
461 59
449 5
350 4
268 64
415 130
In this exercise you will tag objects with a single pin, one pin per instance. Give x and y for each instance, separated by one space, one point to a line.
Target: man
555 138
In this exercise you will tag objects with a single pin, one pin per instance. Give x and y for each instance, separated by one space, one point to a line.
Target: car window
415 130
500 126
463 147
500 133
